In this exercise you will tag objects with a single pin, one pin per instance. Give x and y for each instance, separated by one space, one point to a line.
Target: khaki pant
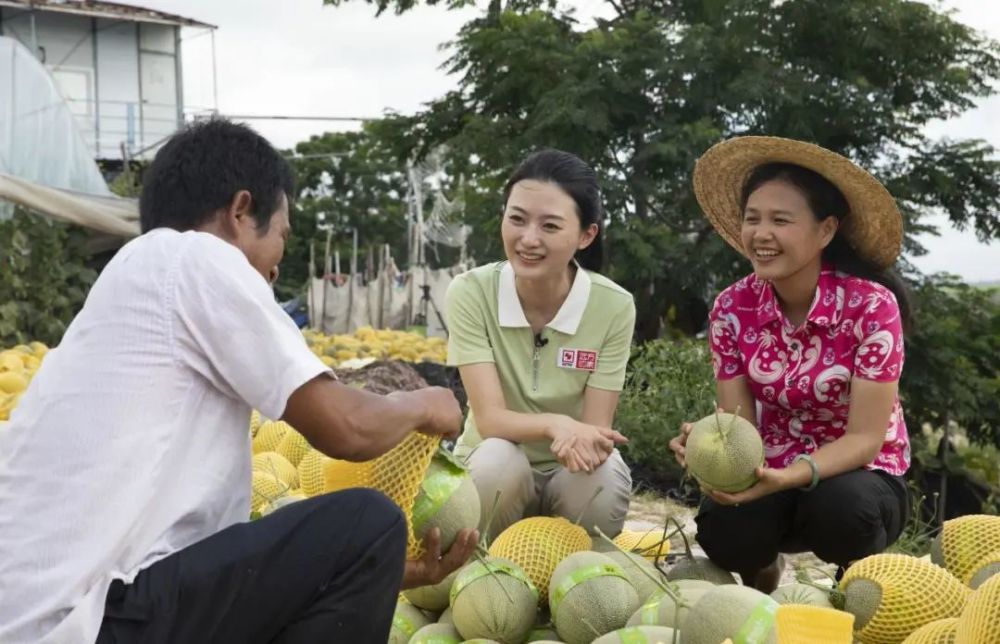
498 464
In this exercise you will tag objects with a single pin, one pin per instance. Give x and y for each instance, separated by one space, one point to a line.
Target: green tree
643 93
347 181
44 278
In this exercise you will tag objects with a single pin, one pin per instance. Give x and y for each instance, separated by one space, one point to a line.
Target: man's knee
373 511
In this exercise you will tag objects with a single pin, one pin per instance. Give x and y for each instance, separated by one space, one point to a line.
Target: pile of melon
17 367
540 581
367 344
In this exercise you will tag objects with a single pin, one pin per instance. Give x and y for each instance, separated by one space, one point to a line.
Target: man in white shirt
125 470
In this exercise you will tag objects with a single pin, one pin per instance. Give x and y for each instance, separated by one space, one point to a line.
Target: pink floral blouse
802 377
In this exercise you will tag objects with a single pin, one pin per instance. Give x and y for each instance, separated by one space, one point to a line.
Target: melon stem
687 544
664 586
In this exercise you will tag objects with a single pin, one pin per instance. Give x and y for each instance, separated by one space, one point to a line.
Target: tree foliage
44 278
643 93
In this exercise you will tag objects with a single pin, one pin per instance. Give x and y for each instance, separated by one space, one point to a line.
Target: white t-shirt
132 441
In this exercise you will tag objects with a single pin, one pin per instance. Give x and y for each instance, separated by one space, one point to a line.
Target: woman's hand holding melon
769 481
678 442
433 567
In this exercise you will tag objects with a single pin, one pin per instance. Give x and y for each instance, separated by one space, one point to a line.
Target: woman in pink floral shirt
809 347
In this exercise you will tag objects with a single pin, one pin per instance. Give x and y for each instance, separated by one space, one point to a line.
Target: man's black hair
199 170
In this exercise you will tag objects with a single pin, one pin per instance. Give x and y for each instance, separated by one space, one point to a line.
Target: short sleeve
614 354
228 327
468 339
879 357
723 339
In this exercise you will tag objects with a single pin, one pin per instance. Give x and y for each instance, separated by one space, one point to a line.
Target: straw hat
874 227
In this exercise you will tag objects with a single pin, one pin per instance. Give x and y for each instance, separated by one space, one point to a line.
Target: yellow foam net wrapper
899 594
269 434
800 624
538 544
941 631
966 540
398 474
649 544
980 621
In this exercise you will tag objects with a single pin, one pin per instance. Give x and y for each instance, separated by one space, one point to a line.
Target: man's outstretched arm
355 425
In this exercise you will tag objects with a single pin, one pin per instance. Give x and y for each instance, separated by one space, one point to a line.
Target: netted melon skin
979 622
537 545
893 595
594 606
723 452
941 631
964 541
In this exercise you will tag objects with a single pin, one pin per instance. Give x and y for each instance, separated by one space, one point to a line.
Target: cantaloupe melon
590 595
892 595
799 593
641 635
445 617
729 611
691 566
979 622
311 480
941 631
406 621
265 488
723 452
434 597
985 568
276 465
651 544
638 570
436 634
669 609
965 540
269 435
493 598
293 446
538 544
447 500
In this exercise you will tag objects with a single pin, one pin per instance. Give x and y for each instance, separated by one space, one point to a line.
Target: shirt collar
567 320
826 307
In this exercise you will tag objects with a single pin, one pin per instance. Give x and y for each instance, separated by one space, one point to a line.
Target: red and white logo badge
578 359
586 360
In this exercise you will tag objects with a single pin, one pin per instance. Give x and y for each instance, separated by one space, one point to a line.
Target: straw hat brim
874 227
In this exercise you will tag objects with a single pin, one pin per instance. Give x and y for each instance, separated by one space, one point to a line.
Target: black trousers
845 518
327 569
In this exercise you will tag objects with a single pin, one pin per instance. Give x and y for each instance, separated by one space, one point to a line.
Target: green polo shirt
587 344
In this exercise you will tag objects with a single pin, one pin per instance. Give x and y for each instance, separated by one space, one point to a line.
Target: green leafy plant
669 382
43 278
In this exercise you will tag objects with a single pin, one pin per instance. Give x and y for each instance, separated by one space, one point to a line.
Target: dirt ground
650 512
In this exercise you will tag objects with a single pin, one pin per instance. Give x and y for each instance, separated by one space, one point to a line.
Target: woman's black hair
825 200
201 168
579 181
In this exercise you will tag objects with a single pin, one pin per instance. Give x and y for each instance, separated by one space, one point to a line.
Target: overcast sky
299 57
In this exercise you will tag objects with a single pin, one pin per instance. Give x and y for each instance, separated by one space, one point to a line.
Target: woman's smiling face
541 229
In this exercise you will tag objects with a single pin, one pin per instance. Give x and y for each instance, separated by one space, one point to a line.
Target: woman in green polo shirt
541 341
